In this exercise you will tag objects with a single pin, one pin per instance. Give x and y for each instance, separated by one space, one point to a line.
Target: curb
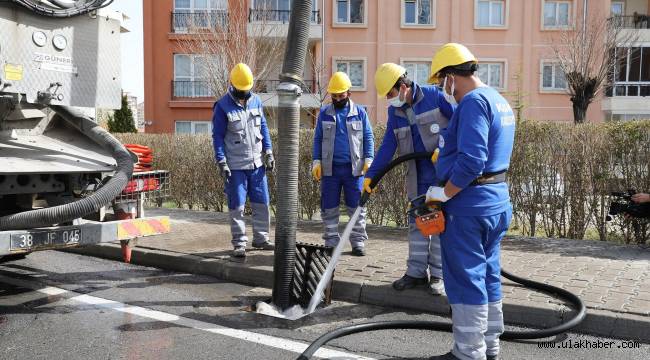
598 322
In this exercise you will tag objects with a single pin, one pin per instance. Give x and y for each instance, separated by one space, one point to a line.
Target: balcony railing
630 21
191 89
281 16
186 21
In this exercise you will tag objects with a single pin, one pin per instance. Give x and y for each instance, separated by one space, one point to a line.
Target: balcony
278 16
629 88
275 23
183 22
634 28
631 21
191 89
627 97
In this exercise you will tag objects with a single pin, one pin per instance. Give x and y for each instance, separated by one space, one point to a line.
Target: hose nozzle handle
365 196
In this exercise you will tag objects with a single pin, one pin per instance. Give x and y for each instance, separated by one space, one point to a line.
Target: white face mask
395 101
449 97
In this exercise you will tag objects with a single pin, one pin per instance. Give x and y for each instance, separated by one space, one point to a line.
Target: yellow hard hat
339 83
241 77
450 54
386 76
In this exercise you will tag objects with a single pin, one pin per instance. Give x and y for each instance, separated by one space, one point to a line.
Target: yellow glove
434 157
366 185
316 170
366 166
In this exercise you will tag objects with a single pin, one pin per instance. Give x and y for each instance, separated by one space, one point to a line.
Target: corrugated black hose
581 310
288 151
61 9
101 197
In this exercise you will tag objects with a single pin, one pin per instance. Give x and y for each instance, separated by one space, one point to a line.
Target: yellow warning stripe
129 229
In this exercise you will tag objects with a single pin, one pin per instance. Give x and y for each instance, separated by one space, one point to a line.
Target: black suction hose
404 158
288 150
62 9
103 196
581 310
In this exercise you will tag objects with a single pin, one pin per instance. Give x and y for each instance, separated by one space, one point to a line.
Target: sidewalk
612 280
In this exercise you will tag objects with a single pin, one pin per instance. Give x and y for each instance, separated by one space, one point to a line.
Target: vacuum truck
59 170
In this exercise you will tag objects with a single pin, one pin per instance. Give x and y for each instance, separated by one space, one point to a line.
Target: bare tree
586 56
519 98
225 38
318 86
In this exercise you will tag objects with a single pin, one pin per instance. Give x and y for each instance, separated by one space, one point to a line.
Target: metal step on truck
60 172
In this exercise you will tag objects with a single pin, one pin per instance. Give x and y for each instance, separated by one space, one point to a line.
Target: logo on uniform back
503 108
507 117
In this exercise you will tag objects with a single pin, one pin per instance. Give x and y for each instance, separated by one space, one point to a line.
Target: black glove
224 169
269 161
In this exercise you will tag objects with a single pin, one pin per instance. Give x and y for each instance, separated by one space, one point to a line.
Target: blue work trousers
472 273
331 187
251 184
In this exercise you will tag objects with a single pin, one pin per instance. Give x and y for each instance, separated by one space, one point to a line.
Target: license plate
45 239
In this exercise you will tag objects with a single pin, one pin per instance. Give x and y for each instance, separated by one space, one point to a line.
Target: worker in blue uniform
474 156
242 147
416 115
342 153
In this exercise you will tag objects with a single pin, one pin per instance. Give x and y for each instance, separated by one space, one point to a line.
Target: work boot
492 357
267 245
407 282
239 252
358 251
447 356
436 285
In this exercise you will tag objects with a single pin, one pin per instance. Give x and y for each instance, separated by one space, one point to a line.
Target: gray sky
132 47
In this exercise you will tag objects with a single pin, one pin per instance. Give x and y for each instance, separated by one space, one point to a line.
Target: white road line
279 343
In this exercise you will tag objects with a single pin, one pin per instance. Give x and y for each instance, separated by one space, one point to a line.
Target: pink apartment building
509 37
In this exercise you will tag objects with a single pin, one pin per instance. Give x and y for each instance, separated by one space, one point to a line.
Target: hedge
560 178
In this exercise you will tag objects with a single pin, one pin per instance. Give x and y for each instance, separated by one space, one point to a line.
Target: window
492 74
199 14
553 78
418 70
490 13
272 4
271 10
618 8
191 76
282 5
200 5
193 127
557 14
277 10
355 70
349 11
417 12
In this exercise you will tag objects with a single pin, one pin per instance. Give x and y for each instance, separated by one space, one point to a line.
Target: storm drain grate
311 262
